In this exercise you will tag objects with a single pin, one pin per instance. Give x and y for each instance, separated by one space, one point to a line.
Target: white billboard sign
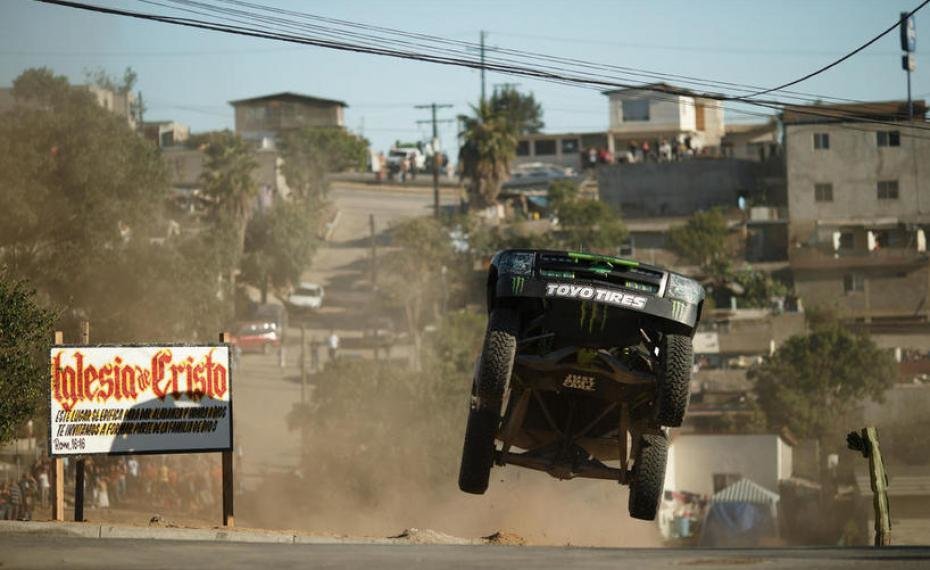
140 399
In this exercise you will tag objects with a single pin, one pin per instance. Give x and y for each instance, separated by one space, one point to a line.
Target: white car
307 296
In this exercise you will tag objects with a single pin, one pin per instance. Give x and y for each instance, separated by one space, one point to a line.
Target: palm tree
227 181
489 143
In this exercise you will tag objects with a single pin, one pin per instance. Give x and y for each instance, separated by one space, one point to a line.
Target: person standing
333 343
16 501
44 485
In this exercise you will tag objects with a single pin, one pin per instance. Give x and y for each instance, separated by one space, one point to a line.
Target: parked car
537 175
581 350
257 336
306 297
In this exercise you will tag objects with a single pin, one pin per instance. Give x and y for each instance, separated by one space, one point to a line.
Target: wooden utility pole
228 510
79 463
483 34
435 143
57 471
866 442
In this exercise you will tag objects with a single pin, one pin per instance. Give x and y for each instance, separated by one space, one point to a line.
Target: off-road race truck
586 359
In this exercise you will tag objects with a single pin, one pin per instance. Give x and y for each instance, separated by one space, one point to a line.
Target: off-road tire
492 378
478 452
497 354
673 381
648 476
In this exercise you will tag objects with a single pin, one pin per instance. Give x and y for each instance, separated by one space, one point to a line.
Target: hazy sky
190 75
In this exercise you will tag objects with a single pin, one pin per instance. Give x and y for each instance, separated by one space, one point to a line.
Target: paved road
53 553
265 392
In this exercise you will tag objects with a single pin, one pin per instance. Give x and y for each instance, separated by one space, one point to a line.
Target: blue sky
190 75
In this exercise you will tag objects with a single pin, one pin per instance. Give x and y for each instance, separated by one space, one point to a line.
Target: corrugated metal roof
745 491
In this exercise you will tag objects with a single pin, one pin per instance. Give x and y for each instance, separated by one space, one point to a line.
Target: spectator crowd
192 482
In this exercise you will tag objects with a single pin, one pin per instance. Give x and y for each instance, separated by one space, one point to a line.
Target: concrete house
265 117
663 112
859 210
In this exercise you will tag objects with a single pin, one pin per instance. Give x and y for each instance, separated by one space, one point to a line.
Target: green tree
488 145
758 287
310 154
814 383
25 330
412 275
83 220
590 225
227 181
522 112
279 245
702 241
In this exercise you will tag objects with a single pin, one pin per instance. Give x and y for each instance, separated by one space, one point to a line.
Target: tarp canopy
741 515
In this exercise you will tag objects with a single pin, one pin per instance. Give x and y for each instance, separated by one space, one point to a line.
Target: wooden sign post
79 463
229 519
57 471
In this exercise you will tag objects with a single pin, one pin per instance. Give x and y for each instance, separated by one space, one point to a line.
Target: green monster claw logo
679 310
590 312
516 285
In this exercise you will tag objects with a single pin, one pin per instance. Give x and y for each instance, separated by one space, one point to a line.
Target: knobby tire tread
648 477
673 387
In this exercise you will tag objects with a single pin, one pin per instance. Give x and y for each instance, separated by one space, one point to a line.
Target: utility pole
483 34
435 144
908 63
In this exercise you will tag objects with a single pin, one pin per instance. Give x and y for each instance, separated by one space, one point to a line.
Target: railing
824 258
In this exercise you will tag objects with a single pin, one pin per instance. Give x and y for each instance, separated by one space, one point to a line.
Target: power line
379 41
845 57
507 68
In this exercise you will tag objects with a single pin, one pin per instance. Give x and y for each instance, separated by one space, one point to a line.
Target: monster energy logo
591 314
679 310
516 285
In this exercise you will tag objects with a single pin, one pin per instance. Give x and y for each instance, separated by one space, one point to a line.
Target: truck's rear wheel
648 476
673 382
492 378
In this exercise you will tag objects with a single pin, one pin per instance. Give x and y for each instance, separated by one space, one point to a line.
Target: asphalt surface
46 552
265 391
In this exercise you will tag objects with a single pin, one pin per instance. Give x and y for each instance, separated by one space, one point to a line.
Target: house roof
660 87
853 112
289 96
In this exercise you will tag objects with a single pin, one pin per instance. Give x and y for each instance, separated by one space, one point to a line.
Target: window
847 240
523 148
821 141
853 283
888 138
823 192
636 110
569 146
887 189
545 147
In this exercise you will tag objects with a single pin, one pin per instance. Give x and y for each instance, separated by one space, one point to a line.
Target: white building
661 111
706 463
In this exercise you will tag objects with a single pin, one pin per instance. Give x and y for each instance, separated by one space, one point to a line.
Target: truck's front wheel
492 378
673 381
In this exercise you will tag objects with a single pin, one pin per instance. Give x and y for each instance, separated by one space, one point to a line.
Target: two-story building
858 179
660 112
264 118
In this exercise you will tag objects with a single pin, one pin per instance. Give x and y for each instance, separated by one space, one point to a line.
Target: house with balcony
859 210
663 112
